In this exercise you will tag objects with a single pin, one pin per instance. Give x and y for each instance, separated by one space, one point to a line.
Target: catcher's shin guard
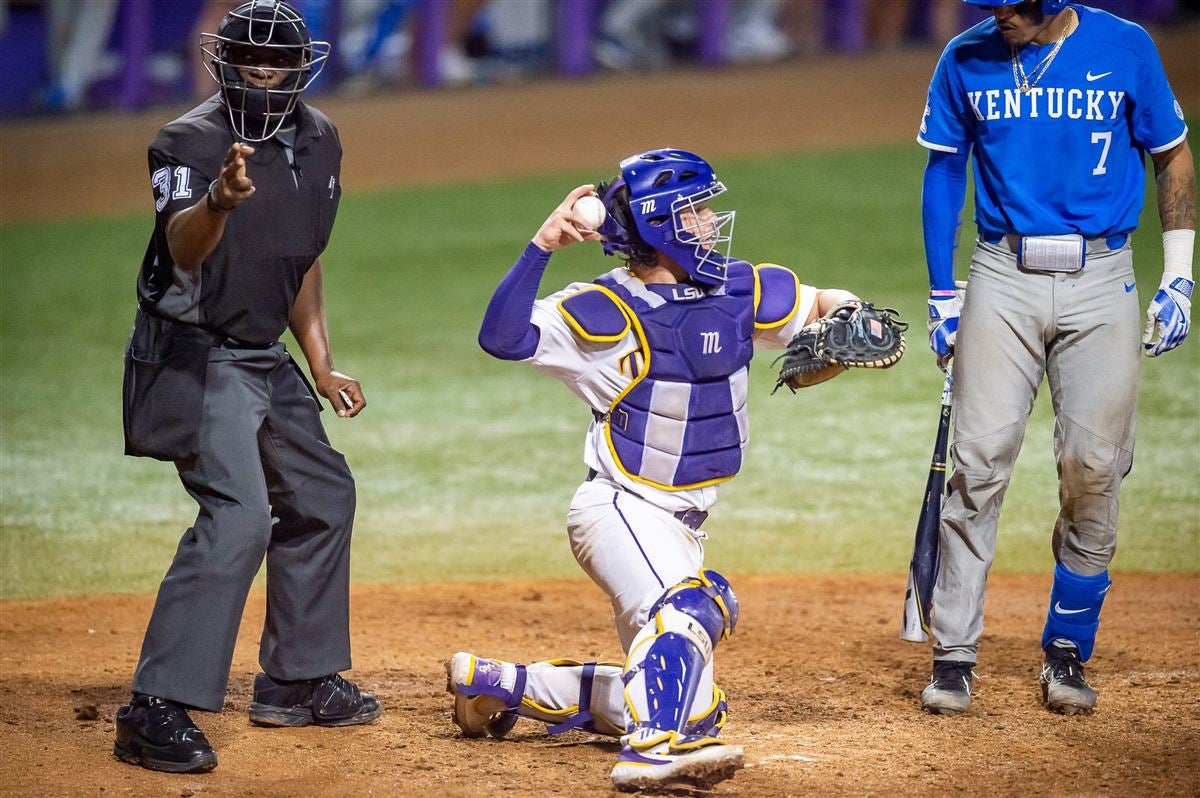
669 655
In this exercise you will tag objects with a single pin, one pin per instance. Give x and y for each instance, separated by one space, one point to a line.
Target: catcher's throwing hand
852 335
562 225
233 187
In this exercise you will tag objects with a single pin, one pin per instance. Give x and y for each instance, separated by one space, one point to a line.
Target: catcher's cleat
1064 690
668 759
158 735
481 705
328 701
949 689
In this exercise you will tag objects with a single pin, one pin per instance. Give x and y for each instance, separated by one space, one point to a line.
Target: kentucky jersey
1068 155
664 369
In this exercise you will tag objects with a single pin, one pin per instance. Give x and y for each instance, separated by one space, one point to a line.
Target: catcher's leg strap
566 694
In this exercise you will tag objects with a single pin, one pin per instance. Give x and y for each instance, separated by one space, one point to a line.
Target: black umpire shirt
246 287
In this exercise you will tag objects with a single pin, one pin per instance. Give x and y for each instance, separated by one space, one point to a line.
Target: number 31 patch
161 181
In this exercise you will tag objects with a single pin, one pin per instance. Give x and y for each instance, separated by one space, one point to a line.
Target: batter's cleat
1064 690
677 761
949 689
328 701
158 735
481 705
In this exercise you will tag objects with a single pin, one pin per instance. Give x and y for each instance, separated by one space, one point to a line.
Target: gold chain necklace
1023 82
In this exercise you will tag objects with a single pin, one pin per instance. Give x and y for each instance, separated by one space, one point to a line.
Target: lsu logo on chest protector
1087 104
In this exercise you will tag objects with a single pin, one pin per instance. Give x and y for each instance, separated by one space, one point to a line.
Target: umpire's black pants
268 484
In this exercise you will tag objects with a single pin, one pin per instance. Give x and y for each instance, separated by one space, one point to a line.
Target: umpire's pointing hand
233 187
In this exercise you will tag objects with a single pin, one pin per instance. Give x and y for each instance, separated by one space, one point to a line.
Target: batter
1058 104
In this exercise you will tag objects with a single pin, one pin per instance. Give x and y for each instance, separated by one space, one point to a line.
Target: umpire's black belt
196 334
691 518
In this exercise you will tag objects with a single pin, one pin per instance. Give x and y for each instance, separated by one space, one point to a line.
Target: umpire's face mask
263 59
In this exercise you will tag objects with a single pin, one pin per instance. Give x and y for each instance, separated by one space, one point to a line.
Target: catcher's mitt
852 335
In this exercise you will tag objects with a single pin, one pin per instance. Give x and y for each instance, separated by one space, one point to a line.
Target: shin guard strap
584 716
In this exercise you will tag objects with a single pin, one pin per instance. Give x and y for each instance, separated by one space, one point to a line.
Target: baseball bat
922 570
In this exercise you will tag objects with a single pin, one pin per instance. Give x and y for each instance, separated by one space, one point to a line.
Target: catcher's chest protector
682 421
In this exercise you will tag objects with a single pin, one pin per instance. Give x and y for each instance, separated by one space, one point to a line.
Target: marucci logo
710 343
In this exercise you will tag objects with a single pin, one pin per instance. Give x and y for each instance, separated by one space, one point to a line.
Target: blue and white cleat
675 761
481 705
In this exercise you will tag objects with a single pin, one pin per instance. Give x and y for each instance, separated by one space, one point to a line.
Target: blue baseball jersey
1068 155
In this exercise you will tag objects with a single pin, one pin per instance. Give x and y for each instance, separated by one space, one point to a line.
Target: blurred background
70 56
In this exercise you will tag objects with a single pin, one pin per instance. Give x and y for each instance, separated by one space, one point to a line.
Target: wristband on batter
1178 249
212 203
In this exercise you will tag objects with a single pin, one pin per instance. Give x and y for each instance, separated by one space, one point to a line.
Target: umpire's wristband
212 203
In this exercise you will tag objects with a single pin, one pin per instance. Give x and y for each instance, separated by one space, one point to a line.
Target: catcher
659 350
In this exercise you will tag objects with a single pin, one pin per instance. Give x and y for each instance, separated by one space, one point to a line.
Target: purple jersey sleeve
1158 123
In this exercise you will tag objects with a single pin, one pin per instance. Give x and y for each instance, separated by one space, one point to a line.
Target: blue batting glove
1169 314
944 310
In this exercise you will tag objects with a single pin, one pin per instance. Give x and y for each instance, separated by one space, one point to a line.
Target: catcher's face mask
263 59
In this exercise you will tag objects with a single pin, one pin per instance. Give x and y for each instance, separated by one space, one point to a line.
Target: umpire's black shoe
949 690
158 734
1064 690
327 701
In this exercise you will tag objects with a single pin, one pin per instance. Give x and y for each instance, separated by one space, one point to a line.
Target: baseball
592 211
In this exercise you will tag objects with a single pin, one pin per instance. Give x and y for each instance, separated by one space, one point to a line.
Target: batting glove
944 310
1169 314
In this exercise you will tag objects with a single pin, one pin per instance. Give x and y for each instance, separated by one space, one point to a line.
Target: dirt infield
823 697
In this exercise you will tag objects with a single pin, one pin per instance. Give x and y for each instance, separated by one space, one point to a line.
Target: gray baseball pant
1082 331
268 484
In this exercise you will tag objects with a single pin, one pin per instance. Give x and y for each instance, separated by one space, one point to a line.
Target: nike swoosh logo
1059 609
1090 77
1129 287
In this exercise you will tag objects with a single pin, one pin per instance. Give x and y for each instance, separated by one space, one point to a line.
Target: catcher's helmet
270 35
1048 6
645 206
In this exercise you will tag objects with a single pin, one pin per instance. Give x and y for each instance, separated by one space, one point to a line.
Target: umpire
233 261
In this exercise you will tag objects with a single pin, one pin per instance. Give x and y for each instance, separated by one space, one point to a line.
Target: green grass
465 465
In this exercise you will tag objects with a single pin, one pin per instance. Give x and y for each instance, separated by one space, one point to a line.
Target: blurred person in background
77 39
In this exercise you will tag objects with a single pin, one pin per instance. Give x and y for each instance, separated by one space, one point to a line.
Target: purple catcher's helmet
266 34
1048 6
645 206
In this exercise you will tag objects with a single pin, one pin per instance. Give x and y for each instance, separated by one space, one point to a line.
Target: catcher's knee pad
708 599
1074 613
